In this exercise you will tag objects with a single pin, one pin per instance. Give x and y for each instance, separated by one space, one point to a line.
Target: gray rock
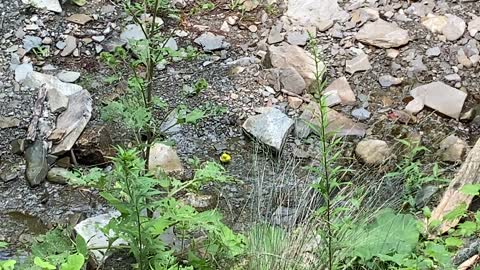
164 158
275 35
71 123
361 114
36 159
425 195
98 38
287 55
452 149
30 42
474 26
299 38
22 71
440 97
432 52
58 175
389 80
70 46
112 43
453 77
291 80
455 28
314 12
358 63
9 122
68 76
171 44
132 32
211 42
58 92
60 45
339 92
271 127
338 123
52 5
372 151
8 171
383 34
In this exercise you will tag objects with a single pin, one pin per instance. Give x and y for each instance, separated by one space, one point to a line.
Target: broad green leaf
43 264
471 189
74 262
81 245
453 242
7 265
391 233
458 212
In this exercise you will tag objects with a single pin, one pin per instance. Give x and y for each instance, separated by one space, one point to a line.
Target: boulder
94 146
164 157
339 92
270 127
383 34
315 12
338 123
441 97
372 151
286 55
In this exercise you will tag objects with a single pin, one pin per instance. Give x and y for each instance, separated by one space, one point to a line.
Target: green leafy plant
134 193
202 7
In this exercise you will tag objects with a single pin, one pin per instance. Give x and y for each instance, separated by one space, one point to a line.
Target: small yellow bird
225 157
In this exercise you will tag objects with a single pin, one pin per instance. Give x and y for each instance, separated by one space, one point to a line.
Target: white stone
339 92
314 12
164 157
52 5
383 34
441 97
474 26
358 63
373 152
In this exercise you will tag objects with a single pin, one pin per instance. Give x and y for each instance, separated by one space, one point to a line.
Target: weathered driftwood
37 112
469 173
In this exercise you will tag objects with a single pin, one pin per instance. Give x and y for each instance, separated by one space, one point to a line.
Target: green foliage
266 245
411 171
202 7
390 233
134 192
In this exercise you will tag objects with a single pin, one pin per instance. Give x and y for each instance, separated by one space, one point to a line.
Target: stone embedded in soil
132 32
287 55
358 63
453 77
110 44
474 26
21 71
171 44
58 175
361 114
91 230
211 42
70 45
31 42
9 122
79 18
313 12
164 157
432 52
71 123
455 28
452 149
201 202
339 92
294 102
297 38
388 80
338 123
441 97
36 159
383 34
270 127
68 76
275 35
291 80
451 26
52 5
9 171
415 106
372 151
58 92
